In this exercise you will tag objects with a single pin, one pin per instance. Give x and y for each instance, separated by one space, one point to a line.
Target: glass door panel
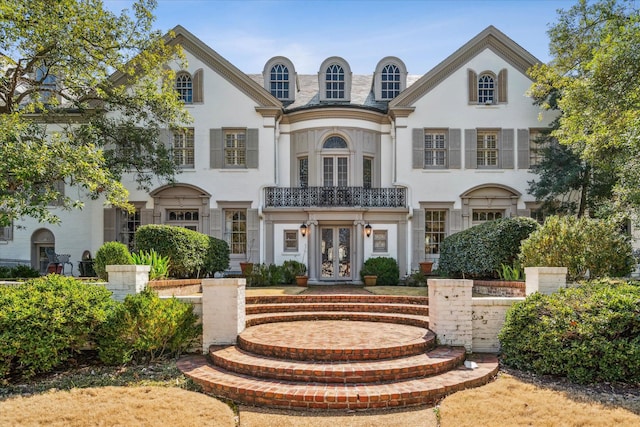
336 258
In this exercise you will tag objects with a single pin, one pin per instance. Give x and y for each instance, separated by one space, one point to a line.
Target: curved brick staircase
337 352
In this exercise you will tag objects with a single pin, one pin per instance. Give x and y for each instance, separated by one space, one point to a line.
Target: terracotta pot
426 267
302 280
370 280
246 268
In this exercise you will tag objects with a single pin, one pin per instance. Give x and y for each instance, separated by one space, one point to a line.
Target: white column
545 280
450 311
127 279
223 311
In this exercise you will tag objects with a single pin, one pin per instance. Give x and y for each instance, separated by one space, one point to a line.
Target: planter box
499 288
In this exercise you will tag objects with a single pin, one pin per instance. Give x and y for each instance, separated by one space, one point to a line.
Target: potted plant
295 271
385 269
426 267
246 267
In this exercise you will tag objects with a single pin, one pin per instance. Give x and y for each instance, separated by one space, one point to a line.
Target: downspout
394 143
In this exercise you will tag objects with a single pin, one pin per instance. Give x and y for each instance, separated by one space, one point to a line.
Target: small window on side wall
291 240
380 241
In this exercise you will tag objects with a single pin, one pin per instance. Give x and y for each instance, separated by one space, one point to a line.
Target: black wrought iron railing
335 196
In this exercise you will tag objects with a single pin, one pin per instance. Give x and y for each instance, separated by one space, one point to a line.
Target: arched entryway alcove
41 239
182 205
487 202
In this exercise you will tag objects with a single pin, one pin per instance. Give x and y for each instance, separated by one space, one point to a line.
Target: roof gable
490 38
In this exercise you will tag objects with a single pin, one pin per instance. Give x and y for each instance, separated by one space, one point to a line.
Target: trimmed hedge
217 258
111 253
480 251
589 334
386 268
587 247
45 321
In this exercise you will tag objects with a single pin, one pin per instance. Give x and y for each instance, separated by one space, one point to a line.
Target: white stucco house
332 168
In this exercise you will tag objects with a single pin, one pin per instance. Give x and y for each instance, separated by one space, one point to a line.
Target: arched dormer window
390 78
487 88
184 87
279 78
334 80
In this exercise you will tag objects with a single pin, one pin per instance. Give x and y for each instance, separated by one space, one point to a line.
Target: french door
335 248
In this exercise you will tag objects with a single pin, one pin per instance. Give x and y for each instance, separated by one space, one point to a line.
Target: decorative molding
335 112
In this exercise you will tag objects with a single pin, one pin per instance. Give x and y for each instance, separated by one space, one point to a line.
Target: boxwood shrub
587 247
386 268
217 258
479 251
46 321
111 253
589 334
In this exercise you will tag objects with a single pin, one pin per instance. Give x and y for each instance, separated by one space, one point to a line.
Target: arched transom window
334 142
279 78
335 162
390 81
486 89
184 87
335 82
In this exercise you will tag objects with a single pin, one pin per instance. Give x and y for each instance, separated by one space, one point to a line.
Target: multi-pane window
183 147
334 142
435 149
128 223
435 229
487 144
6 233
279 79
187 218
291 240
235 230
380 241
538 215
486 89
390 81
184 87
334 82
303 171
335 171
483 215
537 143
367 172
235 148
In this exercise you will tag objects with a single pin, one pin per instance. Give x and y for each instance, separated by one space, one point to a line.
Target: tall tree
593 76
83 95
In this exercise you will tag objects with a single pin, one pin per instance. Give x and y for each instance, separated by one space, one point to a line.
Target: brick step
433 362
340 298
331 340
422 310
397 318
283 394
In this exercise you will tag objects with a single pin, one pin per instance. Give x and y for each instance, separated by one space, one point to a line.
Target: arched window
486 89
334 142
280 81
184 87
390 81
334 82
390 78
335 162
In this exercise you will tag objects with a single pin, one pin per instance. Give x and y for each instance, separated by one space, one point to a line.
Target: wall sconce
303 229
367 230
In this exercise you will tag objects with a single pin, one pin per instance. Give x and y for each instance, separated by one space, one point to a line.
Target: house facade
329 169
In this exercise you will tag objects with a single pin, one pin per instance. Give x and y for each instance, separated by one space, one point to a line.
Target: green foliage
589 334
386 268
111 253
479 251
416 279
509 273
187 249
159 264
145 328
45 321
291 269
266 275
218 256
78 45
585 246
18 272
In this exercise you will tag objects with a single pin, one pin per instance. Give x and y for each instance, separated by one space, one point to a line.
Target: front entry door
335 247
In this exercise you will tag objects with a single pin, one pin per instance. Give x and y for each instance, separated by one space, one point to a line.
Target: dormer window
390 78
279 78
487 88
184 87
47 84
335 80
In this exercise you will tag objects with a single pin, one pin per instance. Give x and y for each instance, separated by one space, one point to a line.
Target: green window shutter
455 148
523 149
502 86
198 86
110 230
418 148
216 158
473 86
252 148
506 149
253 235
417 237
471 149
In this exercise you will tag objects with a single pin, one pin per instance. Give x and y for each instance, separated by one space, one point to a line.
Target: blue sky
420 32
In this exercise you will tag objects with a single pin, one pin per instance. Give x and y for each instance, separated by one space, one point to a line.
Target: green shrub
217 258
25 272
187 249
159 264
266 275
46 321
509 273
291 269
479 251
386 268
589 334
585 246
111 253
145 328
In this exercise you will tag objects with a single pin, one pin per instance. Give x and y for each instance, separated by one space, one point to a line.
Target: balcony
277 197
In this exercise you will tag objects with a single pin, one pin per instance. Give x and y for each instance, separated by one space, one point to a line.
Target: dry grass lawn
508 401
398 290
274 290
